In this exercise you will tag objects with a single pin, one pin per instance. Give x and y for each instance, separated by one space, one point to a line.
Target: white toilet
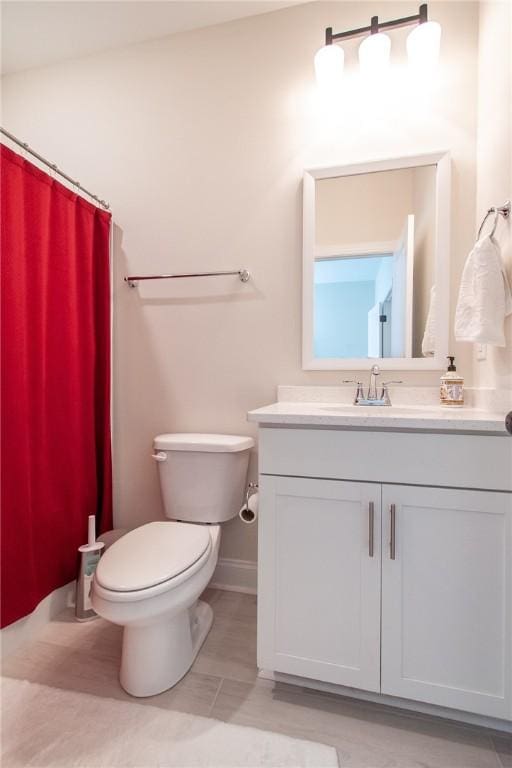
149 581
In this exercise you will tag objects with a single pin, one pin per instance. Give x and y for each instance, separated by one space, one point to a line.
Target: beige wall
364 208
494 160
199 141
424 198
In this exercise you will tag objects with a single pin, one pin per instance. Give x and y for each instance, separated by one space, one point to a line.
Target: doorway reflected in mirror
362 302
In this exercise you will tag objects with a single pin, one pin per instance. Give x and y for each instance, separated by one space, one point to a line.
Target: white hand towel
485 298
428 345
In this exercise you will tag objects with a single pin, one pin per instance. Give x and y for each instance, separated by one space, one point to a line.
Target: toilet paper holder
249 511
251 489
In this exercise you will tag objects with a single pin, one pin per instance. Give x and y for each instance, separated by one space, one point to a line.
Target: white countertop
430 418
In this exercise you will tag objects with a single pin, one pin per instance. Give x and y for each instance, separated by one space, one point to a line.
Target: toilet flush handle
160 456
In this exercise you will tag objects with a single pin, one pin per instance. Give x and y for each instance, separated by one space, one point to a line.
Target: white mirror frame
442 265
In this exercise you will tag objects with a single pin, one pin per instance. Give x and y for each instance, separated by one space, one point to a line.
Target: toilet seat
150 559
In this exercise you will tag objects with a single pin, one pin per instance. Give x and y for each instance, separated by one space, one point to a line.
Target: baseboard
20 632
235 576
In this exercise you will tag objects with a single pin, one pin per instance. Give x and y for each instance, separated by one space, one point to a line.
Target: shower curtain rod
54 167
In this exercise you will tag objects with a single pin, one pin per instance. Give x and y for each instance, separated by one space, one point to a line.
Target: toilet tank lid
187 441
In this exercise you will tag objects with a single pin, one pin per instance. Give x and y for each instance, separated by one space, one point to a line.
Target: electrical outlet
481 351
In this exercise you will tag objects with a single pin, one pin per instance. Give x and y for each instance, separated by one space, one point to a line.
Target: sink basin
348 409
387 410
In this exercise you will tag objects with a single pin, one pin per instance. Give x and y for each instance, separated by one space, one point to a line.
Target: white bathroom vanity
385 554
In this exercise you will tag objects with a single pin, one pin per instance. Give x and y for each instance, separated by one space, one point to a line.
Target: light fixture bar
419 18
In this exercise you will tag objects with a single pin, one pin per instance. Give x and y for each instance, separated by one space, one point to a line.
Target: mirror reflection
374 257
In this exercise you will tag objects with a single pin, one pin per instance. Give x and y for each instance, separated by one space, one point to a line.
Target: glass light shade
423 45
374 54
329 62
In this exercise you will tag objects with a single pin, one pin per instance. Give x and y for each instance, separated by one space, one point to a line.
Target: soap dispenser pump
452 385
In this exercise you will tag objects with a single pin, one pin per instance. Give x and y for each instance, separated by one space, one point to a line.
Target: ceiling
35 34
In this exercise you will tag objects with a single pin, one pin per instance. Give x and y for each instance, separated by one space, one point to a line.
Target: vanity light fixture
374 54
422 47
329 62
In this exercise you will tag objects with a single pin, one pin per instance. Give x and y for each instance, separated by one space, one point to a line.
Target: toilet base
156 656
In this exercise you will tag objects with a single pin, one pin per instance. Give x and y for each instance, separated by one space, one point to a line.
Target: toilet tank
202 477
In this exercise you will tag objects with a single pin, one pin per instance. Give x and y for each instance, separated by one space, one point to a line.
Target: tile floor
223 684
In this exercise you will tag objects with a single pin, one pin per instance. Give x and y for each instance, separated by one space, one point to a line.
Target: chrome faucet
371 397
372 388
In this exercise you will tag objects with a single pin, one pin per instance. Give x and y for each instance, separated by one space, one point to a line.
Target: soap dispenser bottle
452 386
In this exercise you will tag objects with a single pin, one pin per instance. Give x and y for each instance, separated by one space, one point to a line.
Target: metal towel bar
133 280
499 210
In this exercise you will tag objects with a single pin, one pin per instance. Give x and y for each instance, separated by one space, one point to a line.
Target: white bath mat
49 727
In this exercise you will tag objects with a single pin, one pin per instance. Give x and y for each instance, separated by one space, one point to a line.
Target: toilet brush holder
89 555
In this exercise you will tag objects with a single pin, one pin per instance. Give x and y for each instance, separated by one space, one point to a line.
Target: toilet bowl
149 581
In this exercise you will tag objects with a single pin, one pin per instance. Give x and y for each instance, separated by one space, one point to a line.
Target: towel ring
502 210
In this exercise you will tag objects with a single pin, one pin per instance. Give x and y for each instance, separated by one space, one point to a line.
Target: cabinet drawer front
319 580
447 598
464 461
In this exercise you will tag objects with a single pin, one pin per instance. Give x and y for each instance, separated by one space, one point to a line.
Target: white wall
494 160
199 142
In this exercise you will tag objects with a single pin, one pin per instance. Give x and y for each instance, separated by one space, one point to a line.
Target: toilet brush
89 555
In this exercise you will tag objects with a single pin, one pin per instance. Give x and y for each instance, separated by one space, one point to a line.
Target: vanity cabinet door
447 597
319 580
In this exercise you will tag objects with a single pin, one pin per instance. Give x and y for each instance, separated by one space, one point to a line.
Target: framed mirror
376 265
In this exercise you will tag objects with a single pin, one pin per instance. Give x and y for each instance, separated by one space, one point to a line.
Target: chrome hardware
392 541
499 210
359 391
133 280
251 488
53 167
384 395
160 456
371 518
246 514
372 398
372 388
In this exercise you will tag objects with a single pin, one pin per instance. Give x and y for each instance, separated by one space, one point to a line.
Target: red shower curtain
56 463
